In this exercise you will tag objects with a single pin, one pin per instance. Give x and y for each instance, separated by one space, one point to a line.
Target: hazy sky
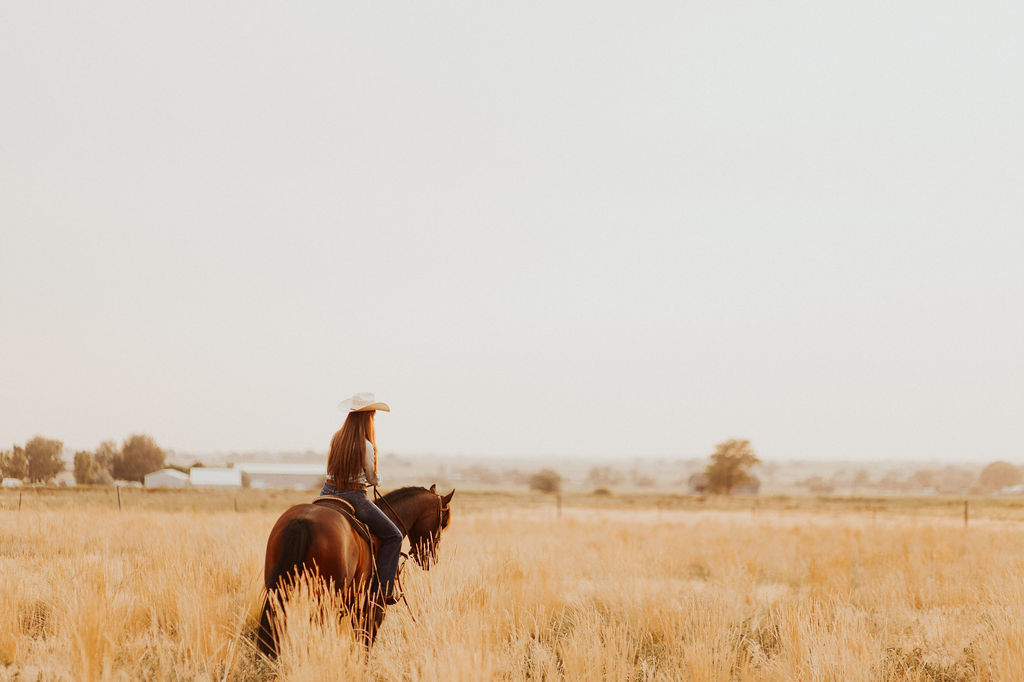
586 228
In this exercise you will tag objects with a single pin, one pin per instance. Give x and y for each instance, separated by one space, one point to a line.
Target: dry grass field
617 589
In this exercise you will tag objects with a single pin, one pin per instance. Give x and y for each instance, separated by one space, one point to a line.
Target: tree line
728 470
945 480
40 461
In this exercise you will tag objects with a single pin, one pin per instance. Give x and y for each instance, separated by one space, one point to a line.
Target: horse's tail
296 539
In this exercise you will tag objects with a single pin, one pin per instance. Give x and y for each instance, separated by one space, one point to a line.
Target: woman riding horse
351 468
319 539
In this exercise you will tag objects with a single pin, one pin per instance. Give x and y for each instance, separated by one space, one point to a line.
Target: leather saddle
349 512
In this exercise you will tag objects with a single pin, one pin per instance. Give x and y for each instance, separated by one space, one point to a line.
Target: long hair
348 447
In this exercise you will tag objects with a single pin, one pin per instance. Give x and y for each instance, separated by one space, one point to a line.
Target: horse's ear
448 498
433 488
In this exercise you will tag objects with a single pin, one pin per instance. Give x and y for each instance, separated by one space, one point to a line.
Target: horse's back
335 548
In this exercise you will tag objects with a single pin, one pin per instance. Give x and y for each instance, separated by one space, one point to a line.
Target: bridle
441 509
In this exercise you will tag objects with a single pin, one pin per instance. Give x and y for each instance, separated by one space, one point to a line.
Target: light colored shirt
367 476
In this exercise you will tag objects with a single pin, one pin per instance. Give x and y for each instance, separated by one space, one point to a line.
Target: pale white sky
565 228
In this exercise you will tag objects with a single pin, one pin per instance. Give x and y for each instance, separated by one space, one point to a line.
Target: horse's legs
373 620
367 613
266 633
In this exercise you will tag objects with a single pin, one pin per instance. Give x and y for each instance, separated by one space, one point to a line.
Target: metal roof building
278 475
166 478
215 477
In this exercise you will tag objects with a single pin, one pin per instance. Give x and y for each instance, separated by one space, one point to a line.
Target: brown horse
320 541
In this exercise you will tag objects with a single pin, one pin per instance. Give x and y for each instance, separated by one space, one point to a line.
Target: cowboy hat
362 402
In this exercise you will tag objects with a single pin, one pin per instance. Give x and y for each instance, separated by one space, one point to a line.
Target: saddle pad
335 503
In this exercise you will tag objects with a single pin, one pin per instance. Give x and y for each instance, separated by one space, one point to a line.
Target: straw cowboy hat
362 402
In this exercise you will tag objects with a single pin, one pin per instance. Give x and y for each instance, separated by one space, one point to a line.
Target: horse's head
425 533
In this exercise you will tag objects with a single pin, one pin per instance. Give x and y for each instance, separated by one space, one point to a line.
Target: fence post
118 498
965 513
20 493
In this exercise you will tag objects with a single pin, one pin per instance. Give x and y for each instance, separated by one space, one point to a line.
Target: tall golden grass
616 594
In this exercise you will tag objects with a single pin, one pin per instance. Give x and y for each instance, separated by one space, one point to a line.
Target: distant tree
751 486
515 477
892 480
546 481
643 480
998 475
106 453
101 476
140 455
953 479
84 465
922 479
44 462
818 485
730 466
603 476
481 474
14 463
88 471
698 483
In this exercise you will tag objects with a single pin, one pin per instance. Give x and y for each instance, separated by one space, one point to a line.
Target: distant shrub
481 474
545 481
818 485
603 476
602 492
997 475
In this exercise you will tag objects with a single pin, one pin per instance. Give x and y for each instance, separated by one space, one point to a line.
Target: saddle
349 512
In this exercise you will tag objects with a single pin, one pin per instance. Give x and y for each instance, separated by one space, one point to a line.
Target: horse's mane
400 494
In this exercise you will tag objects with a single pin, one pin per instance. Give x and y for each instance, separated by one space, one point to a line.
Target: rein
377 497
401 590
405 532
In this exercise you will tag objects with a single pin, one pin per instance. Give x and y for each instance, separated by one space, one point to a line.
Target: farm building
215 477
166 478
275 475
11 483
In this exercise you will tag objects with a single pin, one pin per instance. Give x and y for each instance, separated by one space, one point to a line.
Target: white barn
215 477
165 478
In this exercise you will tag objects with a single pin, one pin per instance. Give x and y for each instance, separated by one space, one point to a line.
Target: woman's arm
369 465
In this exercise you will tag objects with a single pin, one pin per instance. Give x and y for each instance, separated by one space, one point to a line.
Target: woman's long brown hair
348 447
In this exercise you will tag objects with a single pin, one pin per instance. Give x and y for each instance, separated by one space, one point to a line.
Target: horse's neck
407 512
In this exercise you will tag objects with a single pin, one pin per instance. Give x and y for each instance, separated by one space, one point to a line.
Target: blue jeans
381 526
